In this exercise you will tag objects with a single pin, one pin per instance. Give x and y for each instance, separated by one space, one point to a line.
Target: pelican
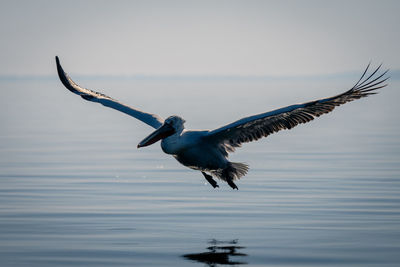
207 150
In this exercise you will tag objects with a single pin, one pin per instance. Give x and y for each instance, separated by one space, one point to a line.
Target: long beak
162 132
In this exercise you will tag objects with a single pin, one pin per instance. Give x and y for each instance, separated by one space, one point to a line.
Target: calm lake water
75 191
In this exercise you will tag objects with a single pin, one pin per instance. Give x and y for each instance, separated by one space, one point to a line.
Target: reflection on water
219 253
75 191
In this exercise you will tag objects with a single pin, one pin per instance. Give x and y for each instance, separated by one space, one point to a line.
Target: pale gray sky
198 37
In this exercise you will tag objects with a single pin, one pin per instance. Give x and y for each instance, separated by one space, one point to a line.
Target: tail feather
238 169
234 171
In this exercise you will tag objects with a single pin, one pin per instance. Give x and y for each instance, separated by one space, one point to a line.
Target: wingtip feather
58 63
59 68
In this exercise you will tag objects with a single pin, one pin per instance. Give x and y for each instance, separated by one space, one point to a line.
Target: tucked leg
232 184
228 177
210 180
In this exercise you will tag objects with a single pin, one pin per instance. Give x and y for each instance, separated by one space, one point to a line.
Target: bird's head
173 124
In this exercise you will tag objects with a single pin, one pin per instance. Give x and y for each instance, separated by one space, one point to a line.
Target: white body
191 149
207 151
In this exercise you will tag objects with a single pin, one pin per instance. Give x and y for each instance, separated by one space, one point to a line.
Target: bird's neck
171 144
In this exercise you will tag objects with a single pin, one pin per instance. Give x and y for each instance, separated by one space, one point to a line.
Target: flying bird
207 150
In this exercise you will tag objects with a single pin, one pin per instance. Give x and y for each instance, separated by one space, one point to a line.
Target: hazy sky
198 37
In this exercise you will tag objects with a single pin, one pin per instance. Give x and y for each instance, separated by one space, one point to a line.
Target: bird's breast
171 145
193 151
180 142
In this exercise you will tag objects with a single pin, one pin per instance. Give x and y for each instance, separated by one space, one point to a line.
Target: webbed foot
210 180
232 184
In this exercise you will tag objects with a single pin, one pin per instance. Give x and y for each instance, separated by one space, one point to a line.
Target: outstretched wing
150 119
255 127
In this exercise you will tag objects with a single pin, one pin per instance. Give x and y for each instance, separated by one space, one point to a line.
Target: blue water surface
75 191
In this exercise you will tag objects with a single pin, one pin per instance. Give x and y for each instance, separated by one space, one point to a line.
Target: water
75 191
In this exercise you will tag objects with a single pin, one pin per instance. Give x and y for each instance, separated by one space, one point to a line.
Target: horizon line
394 74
